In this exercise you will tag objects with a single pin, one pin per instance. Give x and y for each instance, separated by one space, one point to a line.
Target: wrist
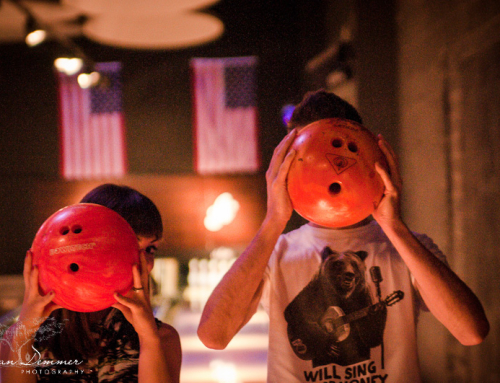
273 224
19 333
393 227
151 339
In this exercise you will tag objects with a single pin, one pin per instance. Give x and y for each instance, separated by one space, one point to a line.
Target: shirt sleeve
279 248
264 299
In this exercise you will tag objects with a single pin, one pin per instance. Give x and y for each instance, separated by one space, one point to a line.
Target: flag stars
240 86
106 97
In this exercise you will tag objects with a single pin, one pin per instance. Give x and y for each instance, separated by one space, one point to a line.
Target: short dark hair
320 104
137 209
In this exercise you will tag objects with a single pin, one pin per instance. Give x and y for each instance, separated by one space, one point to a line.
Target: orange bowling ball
84 253
332 180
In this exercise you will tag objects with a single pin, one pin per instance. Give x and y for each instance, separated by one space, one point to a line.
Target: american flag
91 126
225 115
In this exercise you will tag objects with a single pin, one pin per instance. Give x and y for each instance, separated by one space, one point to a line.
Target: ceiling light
35 34
88 80
69 66
36 37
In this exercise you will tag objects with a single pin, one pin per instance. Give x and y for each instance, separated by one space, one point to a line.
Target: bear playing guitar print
334 319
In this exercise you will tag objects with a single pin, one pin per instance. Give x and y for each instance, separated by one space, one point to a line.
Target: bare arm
16 346
160 356
448 298
235 299
160 347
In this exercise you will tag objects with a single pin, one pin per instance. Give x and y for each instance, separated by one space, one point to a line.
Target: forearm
448 298
154 365
229 305
16 344
235 298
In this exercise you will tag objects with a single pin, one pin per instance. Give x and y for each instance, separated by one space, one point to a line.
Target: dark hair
76 341
137 209
319 105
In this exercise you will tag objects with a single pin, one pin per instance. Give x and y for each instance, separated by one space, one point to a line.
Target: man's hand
389 209
279 206
448 298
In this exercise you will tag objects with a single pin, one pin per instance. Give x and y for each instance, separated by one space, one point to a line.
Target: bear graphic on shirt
334 319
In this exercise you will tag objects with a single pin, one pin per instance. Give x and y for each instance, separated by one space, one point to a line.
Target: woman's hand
17 342
136 305
160 348
279 206
36 307
388 210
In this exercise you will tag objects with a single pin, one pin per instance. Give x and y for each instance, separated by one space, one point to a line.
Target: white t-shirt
328 326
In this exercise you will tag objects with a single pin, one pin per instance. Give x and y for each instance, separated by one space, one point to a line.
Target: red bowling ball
85 253
332 180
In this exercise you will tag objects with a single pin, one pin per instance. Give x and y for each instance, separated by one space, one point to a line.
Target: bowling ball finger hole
64 230
352 147
76 229
74 267
337 143
334 188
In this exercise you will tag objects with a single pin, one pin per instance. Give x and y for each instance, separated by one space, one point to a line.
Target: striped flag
225 115
91 126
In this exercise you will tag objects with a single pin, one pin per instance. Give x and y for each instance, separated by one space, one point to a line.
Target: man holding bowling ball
342 297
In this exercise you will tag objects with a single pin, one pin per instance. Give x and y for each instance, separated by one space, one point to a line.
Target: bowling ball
332 180
85 253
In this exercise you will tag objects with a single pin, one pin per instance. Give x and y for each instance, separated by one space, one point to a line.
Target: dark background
157 88
157 107
425 74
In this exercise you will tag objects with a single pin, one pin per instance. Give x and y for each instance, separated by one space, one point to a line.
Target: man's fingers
285 166
386 146
392 161
388 151
280 153
386 179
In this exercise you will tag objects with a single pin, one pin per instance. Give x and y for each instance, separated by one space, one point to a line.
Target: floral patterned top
117 363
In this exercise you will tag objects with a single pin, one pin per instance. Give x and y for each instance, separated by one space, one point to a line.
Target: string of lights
76 61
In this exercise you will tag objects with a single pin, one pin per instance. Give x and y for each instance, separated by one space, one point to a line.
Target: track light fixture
89 80
88 77
35 34
75 62
69 66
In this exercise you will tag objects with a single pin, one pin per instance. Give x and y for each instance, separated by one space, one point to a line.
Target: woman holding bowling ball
123 343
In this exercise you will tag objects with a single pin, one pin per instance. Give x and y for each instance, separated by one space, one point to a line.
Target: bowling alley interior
423 74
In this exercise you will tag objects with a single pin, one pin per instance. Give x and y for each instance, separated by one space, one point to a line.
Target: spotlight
87 77
34 33
222 212
69 66
88 80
